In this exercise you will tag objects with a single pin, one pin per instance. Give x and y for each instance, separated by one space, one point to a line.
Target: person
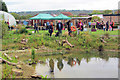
104 26
81 25
36 27
89 23
112 25
69 27
47 25
51 29
107 25
8 26
59 26
79 28
98 26
110 28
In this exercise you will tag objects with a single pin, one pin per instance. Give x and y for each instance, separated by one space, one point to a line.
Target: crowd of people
50 26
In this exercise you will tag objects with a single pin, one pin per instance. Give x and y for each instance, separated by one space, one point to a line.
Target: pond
79 66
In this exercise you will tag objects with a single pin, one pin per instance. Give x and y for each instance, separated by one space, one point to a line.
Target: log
10 63
69 43
65 41
36 76
17 72
102 40
7 56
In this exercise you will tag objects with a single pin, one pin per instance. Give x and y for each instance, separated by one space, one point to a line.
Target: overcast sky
42 5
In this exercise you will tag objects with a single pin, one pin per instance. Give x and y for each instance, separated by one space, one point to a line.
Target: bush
29 27
21 31
4 28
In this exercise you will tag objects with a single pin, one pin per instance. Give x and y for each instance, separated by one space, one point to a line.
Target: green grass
85 40
101 32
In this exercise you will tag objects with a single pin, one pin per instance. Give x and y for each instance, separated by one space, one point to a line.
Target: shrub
21 31
3 28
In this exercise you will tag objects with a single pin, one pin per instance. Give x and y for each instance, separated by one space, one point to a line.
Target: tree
107 12
17 16
96 12
96 18
4 7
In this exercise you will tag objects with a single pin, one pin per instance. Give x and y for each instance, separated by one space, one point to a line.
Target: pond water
78 66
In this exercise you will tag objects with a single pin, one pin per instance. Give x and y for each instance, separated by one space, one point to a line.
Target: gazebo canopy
62 17
42 17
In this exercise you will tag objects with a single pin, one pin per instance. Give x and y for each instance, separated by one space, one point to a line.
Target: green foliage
95 18
96 12
7 72
4 28
4 7
17 16
33 54
43 76
21 31
107 12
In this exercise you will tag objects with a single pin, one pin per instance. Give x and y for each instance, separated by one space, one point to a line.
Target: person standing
36 27
48 24
59 26
8 26
51 29
112 25
103 25
107 25
69 27
79 28
81 25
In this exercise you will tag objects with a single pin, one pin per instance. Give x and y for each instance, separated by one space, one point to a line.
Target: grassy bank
85 41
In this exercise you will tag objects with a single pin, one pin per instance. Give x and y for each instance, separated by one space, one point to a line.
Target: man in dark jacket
107 25
69 26
36 27
59 26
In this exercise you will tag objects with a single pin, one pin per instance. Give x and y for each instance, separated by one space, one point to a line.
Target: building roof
42 17
80 17
67 13
61 17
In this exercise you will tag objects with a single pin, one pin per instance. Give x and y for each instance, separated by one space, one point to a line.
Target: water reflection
51 64
71 62
60 64
78 61
80 66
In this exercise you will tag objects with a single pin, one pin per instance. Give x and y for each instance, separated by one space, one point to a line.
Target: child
110 28
104 27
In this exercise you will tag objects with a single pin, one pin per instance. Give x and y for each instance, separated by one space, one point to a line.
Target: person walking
51 29
59 26
107 25
36 27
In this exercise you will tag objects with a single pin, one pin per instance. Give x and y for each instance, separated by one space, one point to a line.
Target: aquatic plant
33 54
